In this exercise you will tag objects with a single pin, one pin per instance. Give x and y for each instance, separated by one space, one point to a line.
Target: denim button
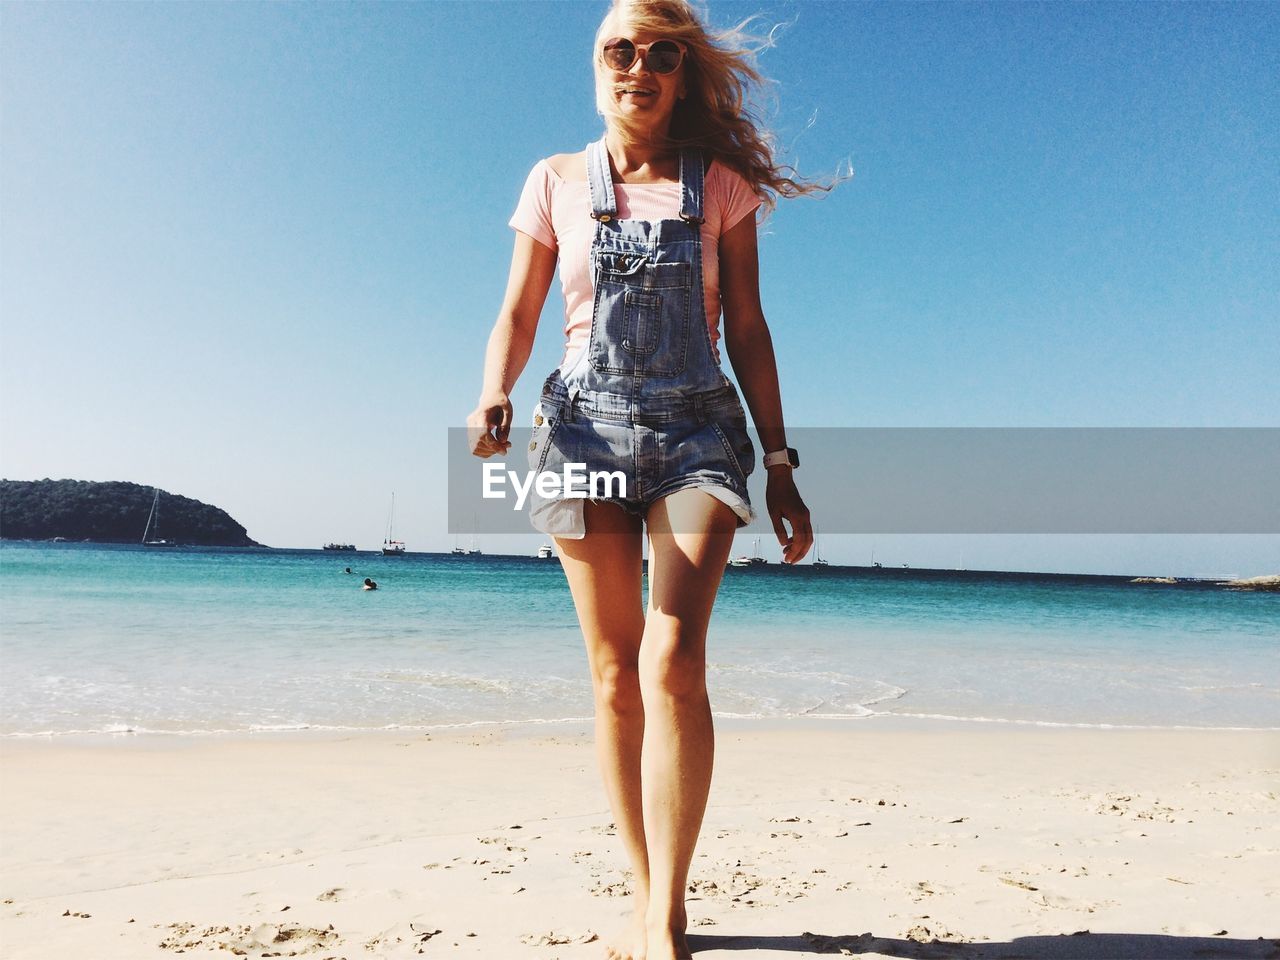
534 445
537 420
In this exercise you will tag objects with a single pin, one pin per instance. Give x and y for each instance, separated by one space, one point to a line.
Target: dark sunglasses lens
619 54
663 57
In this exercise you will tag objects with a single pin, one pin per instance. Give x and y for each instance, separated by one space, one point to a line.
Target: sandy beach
875 839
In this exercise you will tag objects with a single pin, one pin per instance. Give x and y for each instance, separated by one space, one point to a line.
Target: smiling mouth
637 92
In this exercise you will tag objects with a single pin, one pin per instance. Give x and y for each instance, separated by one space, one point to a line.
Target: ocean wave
127 730
1069 724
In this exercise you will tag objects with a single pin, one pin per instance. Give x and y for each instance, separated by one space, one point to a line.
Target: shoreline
532 728
878 838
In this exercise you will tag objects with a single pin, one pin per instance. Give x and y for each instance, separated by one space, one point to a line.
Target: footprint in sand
342 895
407 931
619 889
505 842
553 939
185 936
408 937
922 934
704 889
278 939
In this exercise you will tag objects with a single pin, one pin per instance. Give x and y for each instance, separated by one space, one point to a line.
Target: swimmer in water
369 584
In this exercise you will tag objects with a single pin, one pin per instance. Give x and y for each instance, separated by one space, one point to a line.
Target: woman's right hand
489 425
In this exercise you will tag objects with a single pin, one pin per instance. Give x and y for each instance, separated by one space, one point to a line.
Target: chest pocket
640 323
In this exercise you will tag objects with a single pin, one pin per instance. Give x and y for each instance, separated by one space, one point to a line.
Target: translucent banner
934 479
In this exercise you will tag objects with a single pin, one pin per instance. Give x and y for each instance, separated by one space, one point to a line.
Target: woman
653 231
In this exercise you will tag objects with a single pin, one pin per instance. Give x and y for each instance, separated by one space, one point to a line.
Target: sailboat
392 547
473 550
155 503
754 560
817 553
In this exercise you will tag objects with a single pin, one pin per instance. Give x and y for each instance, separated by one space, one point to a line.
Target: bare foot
667 944
630 945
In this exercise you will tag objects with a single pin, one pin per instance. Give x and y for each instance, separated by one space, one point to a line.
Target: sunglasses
660 56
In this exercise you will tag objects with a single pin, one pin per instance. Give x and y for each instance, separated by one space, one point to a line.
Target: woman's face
638 91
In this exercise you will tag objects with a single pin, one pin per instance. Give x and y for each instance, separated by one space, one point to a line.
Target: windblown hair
721 79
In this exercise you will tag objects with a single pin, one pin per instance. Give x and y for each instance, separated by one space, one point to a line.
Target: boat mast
152 515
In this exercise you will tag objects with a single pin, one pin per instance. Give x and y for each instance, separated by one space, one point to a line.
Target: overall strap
691 185
600 180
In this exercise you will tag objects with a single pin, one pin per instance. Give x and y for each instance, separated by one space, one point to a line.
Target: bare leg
690 535
603 569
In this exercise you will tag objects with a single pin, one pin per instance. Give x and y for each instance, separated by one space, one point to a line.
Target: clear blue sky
252 252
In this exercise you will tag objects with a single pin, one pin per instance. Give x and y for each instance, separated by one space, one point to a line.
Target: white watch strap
777 458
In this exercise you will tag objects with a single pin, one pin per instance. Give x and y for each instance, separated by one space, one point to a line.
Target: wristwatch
777 458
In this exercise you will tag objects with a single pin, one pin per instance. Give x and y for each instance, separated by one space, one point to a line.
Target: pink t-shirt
557 213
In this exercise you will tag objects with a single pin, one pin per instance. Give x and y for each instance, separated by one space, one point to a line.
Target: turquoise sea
126 639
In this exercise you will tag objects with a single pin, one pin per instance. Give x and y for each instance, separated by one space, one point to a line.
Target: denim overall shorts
645 397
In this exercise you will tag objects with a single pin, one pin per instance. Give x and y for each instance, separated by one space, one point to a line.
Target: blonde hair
720 80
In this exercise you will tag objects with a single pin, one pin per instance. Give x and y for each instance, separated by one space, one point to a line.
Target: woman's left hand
784 502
